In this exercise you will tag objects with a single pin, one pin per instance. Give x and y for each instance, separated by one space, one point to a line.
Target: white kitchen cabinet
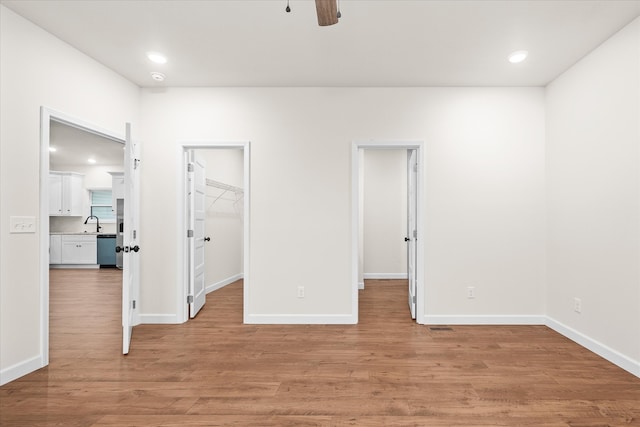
79 249
66 194
55 249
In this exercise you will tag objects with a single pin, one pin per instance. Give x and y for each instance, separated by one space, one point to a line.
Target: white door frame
355 217
48 115
182 290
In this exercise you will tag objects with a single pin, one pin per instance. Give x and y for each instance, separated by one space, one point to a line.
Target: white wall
223 224
385 213
38 69
593 123
484 191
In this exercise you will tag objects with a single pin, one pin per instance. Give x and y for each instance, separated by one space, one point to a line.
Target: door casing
356 146
182 290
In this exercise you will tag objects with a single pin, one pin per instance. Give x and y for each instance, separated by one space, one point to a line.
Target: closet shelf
223 186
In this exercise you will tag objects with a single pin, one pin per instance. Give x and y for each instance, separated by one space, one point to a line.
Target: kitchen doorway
75 189
213 221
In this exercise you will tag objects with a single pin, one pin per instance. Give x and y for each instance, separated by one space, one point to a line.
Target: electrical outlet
577 305
300 291
471 292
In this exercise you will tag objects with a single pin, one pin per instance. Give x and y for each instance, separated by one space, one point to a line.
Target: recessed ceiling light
91 160
157 76
518 56
156 57
53 149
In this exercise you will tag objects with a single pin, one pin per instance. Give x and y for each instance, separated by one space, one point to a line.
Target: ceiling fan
327 11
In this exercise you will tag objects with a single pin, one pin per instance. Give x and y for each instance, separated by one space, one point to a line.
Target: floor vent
440 328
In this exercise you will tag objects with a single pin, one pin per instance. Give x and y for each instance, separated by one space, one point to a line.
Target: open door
411 239
196 195
131 238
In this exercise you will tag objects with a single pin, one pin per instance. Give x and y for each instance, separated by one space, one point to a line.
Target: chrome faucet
97 222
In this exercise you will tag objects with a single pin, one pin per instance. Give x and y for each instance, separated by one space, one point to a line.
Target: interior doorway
78 155
387 238
213 221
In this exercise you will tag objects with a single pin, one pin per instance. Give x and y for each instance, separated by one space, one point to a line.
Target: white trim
20 369
222 283
384 276
438 319
602 350
158 319
48 115
360 285
182 288
419 146
301 319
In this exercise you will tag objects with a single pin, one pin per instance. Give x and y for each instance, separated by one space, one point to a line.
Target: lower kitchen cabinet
74 249
55 249
78 249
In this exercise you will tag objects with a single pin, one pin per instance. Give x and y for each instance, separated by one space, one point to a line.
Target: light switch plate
22 224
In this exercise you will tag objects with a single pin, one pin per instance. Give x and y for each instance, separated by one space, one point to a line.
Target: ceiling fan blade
327 12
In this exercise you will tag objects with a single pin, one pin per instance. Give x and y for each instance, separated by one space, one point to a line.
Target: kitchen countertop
82 233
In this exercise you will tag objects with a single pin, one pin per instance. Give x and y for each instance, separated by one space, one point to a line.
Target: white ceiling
74 147
376 43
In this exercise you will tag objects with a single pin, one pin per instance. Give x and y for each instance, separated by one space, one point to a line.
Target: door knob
136 248
118 249
406 239
207 239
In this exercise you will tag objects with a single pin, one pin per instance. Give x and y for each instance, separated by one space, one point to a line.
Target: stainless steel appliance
119 230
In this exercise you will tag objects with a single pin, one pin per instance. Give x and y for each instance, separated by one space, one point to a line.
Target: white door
131 238
196 234
411 239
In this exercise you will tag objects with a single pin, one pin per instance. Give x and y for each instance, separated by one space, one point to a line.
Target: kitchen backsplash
76 224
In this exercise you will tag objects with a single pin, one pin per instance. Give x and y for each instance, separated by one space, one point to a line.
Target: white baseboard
613 356
484 320
158 319
384 276
294 319
360 285
20 369
223 283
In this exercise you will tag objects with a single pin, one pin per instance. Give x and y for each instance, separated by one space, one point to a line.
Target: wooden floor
215 371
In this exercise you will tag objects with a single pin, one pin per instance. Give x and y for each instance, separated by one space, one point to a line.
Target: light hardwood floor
215 371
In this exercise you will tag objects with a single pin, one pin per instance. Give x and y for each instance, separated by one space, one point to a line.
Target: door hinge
415 234
189 299
136 163
134 304
189 233
414 299
190 167
415 167
135 233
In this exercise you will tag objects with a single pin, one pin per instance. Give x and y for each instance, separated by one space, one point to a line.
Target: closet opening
213 222
388 230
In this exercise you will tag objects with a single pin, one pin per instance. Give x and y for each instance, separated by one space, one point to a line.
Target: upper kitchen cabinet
66 194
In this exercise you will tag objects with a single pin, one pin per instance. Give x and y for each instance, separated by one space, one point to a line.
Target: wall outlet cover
22 224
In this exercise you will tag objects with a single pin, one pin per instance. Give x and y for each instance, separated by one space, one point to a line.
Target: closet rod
223 186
